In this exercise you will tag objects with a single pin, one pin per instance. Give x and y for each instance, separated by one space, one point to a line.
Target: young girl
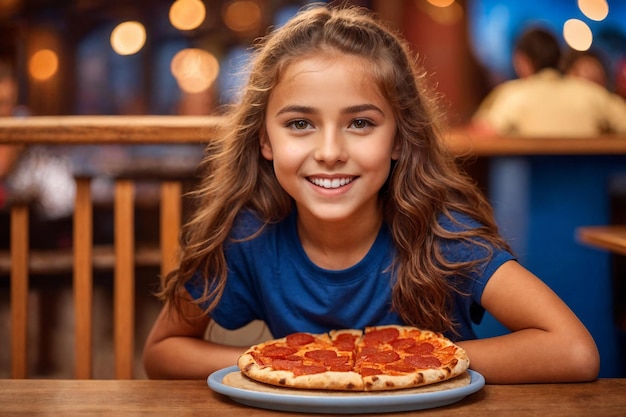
330 202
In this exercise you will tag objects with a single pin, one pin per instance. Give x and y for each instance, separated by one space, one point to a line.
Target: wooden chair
122 257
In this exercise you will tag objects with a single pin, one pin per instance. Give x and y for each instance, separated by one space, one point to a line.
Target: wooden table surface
66 398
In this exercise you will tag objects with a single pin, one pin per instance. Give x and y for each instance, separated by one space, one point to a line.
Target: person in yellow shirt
543 102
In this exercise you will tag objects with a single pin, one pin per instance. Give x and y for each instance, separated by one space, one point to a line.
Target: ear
266 146
395 152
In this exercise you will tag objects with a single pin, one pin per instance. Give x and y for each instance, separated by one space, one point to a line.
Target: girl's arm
177 349
547 343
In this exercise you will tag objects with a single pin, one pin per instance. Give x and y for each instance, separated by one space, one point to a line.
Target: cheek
288 158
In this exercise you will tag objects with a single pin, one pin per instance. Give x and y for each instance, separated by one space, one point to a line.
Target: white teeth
328 183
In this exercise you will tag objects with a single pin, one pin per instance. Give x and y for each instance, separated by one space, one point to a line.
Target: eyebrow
348 110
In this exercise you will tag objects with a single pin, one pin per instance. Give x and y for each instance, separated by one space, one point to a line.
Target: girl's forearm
534 356
187 358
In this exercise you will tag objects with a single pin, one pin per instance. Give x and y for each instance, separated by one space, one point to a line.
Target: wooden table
604 397
611 238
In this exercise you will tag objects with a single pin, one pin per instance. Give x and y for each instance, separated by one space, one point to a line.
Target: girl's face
330 135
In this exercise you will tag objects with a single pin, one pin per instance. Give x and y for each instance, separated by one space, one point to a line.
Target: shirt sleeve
467 305
237 306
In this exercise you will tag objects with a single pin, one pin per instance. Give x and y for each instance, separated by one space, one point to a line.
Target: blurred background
187 57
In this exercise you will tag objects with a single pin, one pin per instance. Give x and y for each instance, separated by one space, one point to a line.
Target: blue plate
350 403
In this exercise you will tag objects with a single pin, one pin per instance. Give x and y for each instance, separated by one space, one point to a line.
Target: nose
331 147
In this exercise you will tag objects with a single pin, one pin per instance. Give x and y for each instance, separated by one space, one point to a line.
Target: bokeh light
43 64
594 9
577 34
242 15
128 38
194 69
441 3
187 14
444 12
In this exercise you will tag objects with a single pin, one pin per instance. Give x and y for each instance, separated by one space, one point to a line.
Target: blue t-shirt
272 279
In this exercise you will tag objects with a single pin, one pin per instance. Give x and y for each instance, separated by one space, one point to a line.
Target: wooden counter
463 144
611 238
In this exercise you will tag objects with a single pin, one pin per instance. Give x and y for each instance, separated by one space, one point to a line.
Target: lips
331 183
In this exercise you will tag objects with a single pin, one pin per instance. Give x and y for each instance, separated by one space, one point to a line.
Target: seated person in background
8 99
587 65
31 173
543 102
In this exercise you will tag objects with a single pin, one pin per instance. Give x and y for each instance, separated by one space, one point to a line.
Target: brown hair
425 181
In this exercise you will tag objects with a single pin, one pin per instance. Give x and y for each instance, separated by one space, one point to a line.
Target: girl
331 203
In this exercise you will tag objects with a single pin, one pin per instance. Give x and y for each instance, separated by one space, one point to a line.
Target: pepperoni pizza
376 359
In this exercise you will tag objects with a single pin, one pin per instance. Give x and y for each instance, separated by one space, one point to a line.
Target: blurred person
8 103
33 173
543 102
588 65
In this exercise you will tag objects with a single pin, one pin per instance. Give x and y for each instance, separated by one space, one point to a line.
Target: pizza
376 359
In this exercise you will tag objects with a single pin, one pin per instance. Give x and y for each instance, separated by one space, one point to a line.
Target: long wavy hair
424 184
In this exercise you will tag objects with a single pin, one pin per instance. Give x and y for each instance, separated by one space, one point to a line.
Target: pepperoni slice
367 350
379 336
310 369
399 368
422 362
299 339
423 348
403 344
273 351
345 367
345 342
261 360
340 363
370 371
286 365
320 354
386 356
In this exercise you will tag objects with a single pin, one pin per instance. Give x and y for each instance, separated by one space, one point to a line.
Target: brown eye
361 124
299 124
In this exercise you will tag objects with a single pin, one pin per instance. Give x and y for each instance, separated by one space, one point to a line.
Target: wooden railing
78 130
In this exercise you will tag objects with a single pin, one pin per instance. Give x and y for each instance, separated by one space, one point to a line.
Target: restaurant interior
156 58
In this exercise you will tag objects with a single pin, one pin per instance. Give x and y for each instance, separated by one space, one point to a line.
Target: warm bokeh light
128 38
594 9
577 34
441 3
43 64
187 14
444 12
447 15
194 69
242 15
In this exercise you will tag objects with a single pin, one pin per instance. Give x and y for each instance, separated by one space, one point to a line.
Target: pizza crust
238 380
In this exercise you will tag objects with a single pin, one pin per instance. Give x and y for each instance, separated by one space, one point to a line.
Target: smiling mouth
331 183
